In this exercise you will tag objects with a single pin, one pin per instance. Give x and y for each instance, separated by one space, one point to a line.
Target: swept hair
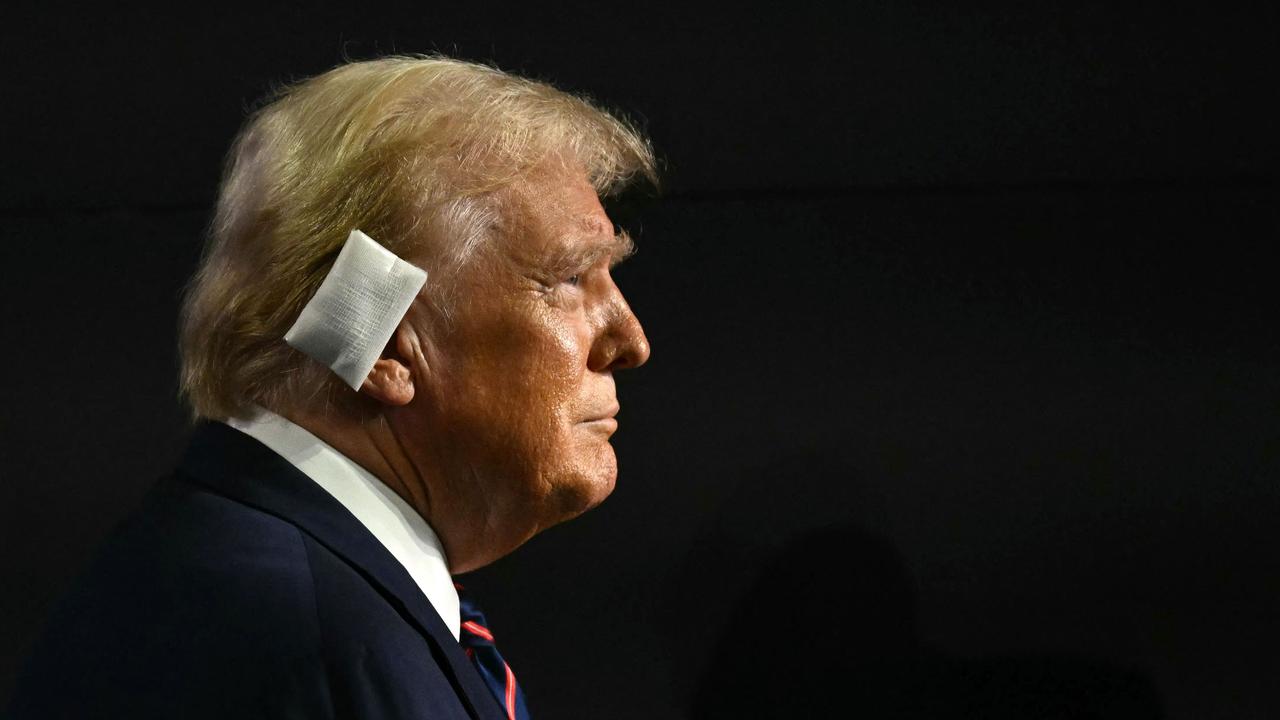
411 150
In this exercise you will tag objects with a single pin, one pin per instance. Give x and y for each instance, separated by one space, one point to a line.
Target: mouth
608 414
604 421
608 425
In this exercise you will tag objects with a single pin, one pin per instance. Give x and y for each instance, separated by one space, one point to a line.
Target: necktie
476 638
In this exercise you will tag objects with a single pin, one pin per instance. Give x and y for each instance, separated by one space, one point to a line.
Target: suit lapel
237 466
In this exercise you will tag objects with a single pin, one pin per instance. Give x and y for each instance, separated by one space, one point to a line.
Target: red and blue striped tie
477 640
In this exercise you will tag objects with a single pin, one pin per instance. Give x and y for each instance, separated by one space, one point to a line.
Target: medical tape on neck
347 324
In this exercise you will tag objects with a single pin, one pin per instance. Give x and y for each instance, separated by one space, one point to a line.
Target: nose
622 343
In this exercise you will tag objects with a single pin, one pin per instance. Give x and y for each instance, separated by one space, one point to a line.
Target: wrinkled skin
497 426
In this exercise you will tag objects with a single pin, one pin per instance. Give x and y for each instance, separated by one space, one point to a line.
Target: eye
573 279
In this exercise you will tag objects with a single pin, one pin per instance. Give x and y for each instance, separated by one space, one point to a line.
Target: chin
589 485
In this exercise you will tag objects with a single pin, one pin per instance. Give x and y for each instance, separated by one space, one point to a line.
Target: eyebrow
616 247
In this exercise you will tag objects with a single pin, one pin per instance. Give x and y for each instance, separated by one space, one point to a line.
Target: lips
606 415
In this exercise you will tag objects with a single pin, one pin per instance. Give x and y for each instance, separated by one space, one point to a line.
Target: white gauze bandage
357 308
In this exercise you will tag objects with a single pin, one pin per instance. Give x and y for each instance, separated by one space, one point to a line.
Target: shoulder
203 601
194 596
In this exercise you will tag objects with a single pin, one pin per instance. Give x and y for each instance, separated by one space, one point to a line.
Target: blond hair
409 149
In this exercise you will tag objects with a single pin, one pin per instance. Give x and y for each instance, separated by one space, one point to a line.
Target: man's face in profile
525 396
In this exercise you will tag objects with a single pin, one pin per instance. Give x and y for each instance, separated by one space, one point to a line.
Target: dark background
964 389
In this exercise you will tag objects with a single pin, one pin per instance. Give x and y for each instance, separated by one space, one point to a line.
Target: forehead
552 211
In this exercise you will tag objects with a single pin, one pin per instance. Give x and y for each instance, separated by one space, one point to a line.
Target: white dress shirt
395 524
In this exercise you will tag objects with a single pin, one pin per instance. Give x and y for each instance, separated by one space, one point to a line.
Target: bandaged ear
362 300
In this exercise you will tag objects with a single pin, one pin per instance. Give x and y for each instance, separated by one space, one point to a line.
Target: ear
391 380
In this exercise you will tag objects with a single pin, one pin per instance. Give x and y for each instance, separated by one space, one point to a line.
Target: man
400 346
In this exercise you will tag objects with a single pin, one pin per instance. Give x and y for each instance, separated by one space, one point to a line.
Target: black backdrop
964 386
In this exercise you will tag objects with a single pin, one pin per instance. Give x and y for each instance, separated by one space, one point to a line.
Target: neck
378 444
373 445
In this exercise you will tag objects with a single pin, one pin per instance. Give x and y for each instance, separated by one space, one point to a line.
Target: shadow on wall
829 630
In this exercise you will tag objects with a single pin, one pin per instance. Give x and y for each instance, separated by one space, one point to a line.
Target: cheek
517 382
561 345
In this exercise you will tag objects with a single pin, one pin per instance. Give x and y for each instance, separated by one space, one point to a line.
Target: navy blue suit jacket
241 589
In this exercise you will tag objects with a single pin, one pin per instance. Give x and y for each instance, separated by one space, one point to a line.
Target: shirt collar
395 524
